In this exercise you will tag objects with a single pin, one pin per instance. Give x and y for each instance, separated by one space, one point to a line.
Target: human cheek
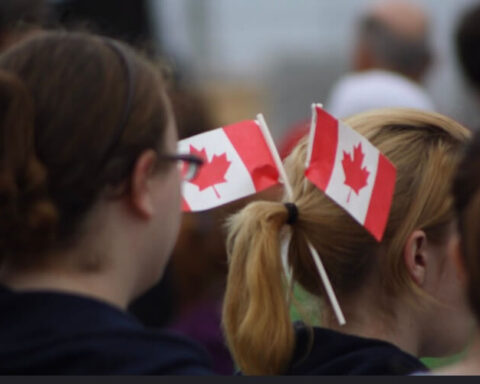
175 201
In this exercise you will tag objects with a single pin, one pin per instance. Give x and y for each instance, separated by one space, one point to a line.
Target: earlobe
416 256
141 198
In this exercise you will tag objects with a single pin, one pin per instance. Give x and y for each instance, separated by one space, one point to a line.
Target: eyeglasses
190 164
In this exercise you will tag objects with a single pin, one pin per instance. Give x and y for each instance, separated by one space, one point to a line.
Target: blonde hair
424 147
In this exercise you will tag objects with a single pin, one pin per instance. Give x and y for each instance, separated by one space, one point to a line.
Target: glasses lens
189 170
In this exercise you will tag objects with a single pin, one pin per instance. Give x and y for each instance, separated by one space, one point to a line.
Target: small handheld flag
237 163
316 257
350 170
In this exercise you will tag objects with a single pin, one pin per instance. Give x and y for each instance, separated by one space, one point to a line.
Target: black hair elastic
292 213
130 85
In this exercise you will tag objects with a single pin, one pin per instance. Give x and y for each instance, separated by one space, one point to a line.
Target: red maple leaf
212 172
355 176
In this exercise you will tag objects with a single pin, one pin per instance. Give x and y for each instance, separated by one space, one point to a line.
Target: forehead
406 19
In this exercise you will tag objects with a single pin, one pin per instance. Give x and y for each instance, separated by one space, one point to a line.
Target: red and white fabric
351 171
238 163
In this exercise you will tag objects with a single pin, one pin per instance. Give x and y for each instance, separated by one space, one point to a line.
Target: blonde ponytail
424 147
255 312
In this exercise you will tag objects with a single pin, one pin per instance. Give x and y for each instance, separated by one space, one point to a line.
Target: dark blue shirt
48 332
321 351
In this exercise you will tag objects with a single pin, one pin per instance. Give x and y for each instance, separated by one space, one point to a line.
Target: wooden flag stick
327 284
316 257
311 133
276 157
311 138
288 188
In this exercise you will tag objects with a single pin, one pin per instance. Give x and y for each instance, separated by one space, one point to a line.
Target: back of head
467 39
466 190
424 147
65 137
394 36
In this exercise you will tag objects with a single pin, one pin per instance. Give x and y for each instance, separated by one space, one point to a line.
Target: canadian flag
350 170
237 163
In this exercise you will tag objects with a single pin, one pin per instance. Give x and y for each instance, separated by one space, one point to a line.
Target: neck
99 285
365 319
470 365
93 266
110 259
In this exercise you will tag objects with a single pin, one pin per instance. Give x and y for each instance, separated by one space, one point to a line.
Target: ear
416 256
141 191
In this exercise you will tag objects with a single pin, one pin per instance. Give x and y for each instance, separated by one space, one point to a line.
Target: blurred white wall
294 50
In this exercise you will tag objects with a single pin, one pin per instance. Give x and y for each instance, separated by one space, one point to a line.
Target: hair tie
292 213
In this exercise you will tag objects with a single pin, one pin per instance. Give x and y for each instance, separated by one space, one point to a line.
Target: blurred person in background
391 56
466 190
21 18
126 20
90 208
467 43
402 297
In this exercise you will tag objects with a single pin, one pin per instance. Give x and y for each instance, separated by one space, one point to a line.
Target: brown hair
466 189
424 147
63 98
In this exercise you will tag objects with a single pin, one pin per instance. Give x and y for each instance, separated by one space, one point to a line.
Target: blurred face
449 323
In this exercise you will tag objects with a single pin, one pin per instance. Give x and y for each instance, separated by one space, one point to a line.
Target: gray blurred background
278 56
